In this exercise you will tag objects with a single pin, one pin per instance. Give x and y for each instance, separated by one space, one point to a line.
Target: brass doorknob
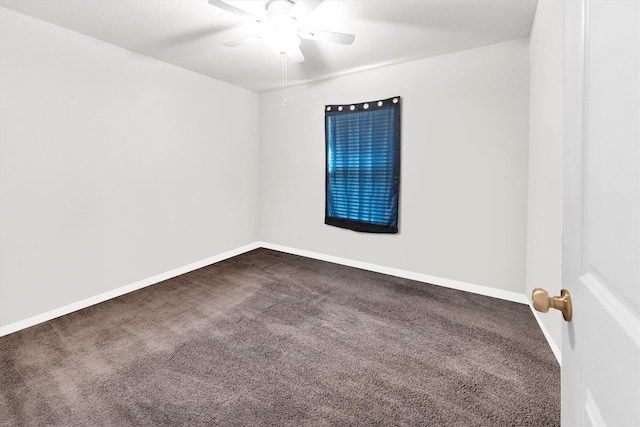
542 302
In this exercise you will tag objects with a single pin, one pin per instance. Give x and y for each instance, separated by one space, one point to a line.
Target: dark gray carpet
268 338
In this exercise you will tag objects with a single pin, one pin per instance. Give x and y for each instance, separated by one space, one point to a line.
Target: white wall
544 244
463 197
114 167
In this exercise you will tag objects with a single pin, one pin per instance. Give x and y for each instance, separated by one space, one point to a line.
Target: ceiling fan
281 29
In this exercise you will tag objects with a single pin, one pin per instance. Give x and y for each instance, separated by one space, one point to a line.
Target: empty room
319 212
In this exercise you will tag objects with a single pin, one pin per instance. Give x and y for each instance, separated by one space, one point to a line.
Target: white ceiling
191 33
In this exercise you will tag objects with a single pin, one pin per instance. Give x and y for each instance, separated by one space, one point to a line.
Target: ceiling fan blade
226 6
304 7
249 39
327 36
296 55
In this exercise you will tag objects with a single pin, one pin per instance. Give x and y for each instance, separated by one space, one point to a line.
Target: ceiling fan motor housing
278 12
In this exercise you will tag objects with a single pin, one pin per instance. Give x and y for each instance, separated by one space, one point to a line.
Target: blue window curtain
363 165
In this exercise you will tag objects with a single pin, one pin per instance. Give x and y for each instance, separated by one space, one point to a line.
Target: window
363 165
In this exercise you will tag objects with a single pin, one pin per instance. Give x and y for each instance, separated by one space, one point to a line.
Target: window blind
363 165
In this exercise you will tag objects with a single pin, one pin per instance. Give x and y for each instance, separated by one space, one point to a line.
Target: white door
601 240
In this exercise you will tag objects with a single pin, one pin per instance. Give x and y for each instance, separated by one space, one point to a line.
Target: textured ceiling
191 33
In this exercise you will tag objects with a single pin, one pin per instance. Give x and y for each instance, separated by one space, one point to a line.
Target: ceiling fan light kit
282 42
281 36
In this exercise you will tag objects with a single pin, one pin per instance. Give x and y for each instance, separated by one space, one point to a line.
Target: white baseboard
554 347
79 305
447 283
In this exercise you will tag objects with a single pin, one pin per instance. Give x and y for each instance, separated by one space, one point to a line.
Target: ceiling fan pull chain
284 79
